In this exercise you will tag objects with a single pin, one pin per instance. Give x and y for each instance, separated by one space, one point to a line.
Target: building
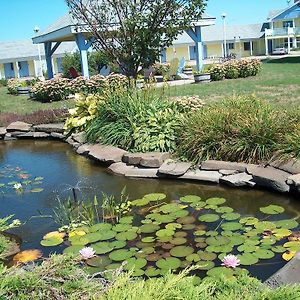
20 59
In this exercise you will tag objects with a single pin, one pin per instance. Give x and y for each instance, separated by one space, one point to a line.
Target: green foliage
3 82
136 120
13 84
70 60
241 128
97 60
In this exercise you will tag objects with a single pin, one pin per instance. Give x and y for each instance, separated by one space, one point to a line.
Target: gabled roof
290 12
25 50
215 33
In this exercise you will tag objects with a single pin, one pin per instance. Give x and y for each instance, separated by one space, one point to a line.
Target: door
270 46
9 70
205 51
23 68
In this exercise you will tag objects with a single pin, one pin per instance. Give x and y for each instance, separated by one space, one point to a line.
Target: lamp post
40 69
223 16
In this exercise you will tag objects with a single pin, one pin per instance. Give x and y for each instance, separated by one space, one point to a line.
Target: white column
251 48
36 68
189 55
17 69
289 44
267 48
294 42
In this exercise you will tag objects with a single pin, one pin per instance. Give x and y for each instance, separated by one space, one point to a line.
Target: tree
134 32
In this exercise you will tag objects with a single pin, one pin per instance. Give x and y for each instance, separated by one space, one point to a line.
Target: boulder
295 181
16 133
106 154
148 160
270 177
240 179
83 149
174 168
138 172
79 137
291 166
228 172
120 168
49 128
2 132
207 176
9 137
216 165
57 135
34 135
19 126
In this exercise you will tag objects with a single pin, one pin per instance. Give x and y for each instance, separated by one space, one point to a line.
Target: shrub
70 60
161 68
13 84
241 128
188 103
3 82
135 120
217 72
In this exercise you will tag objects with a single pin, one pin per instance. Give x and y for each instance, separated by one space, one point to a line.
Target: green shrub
3 82
217 72
70 60
135 120
241 128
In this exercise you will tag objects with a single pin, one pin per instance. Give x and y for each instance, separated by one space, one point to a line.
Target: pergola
67 29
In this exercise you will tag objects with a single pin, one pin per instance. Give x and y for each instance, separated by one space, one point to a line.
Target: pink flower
87 252
230 261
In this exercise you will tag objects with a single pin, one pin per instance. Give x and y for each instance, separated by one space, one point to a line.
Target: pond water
55 168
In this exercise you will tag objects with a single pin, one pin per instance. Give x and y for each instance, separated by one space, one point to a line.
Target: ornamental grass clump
241 128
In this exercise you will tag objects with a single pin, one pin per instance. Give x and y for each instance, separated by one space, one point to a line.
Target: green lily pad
209 218
212 233
165 233
77 248
278 249
265 225
99 262
292 246
247 248
99 236
190 199
140 202
169 208
207 255
126 220
186 220
122 227
197 205
287 224
179 214
231 226
281 232
149 228
272 209
217 240
118 244
138 273
181 251
126 236
178 241
36 190
155 197
205 265
169 263
100 227
215 201
180 234
231 216
236 240
264 254
247 259
199 232
193 257
188 226
103 247
219 248
173 226
148 239
220 272
249 221
135 263
121 255
224 209
152 272
54 241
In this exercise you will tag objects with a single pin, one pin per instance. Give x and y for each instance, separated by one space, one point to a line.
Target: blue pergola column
83 46
196 36
48 54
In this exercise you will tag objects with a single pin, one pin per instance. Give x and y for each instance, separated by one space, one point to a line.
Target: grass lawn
23 105
278 82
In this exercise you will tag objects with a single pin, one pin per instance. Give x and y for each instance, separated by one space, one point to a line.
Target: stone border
283 177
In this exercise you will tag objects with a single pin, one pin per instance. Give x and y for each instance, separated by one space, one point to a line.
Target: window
12 66
192 52
287 24
247 46
231 46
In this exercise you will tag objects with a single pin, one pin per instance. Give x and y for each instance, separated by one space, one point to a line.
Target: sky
19 17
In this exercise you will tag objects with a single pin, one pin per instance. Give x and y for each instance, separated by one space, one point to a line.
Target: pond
51 169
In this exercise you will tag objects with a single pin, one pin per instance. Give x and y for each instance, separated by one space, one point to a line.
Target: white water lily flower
17 186
87 252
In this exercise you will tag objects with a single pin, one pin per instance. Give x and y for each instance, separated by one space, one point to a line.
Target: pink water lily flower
230 261
87 252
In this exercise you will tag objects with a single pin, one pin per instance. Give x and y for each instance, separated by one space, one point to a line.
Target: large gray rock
16 133
207 176
19 126
84 149
240 179
228 172
174 168
216 165
295 181
148 160
9 137
270 177
57 135
287 275
106 154
120 168
137 172
34 135
79 137
57 127
291 166
2 132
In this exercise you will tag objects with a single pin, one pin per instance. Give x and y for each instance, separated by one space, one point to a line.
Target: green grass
23 105
278 82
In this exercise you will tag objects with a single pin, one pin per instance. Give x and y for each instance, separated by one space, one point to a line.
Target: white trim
296 3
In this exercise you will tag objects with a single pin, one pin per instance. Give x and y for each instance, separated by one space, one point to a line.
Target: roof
275 12
215 33
24 49
291 12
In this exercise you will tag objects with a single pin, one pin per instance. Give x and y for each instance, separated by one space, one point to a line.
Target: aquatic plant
230 261
87 252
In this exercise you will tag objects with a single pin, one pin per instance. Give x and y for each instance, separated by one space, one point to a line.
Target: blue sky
21 16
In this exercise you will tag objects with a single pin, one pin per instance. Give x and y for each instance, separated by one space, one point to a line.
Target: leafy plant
70 60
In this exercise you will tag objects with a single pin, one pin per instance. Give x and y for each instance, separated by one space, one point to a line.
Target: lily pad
148 239
126 220
205 265
247 259
231 226
207 255
149 228
152 272
99 262
73 249
169 263
36 190
122 227
209 218
126 236
215 201
103 247
278 249
140 202
231 216
193 257
265 225
249 221
135 263
217 240
178 241
224 209
121 254
165 233
190 199
287 224
220 272
181 251
50 242
264 254
272 209
186 220
155 197
247 248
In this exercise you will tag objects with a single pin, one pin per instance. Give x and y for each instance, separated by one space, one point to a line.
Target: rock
292 166
174 168
287 275
216 165
83 149
49 128
16 133
2 132
76 145
79 137
142 172
148 160
106 154
120 168
207 176
295 181
70 141
228 172
9 137
34 135
270 177
19 126
240 179
57 135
